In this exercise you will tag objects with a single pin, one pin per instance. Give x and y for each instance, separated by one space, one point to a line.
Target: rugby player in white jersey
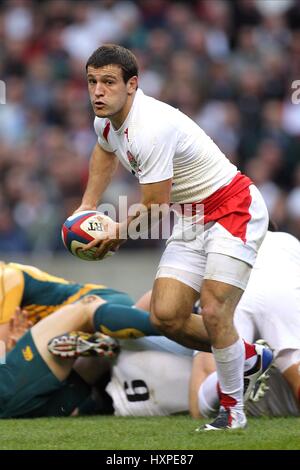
152 374
270 308
176 162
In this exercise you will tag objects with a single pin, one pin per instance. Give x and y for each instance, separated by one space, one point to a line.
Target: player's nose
99 89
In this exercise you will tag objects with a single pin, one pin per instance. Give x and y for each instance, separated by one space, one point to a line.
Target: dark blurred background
229 65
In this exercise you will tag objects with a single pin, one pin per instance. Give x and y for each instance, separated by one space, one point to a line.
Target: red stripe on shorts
233 215
229 206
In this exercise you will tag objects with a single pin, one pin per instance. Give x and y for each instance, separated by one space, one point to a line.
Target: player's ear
132 85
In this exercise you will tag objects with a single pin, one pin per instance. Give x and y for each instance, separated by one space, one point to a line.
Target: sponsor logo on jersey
27 353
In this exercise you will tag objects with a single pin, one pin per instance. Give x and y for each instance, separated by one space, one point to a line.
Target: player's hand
18 325
109 241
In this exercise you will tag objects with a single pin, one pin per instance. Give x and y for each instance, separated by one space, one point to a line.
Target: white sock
230 370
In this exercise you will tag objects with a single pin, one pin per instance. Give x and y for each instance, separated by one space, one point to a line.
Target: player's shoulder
11 271
152 121
151 107
16 266
100 124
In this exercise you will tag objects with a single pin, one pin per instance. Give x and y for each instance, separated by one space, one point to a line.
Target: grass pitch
157 433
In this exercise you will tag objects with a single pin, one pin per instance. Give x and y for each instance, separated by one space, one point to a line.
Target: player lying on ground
34 383
165 390
54 325
269 308
42 294
135 386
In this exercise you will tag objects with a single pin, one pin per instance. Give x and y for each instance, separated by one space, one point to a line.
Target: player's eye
91 81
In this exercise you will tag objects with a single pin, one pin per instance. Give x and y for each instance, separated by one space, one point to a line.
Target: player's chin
101 113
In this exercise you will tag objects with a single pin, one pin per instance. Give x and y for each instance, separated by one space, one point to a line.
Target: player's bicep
103 159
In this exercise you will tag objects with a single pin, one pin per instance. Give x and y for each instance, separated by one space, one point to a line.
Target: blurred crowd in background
227 64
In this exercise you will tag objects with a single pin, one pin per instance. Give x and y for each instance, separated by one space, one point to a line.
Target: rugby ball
83 227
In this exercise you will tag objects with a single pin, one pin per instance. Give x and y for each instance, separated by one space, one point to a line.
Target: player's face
109 94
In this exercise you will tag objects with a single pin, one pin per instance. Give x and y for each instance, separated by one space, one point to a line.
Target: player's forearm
141 222
154 205
101 169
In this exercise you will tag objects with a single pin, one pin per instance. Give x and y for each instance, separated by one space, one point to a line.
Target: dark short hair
114 54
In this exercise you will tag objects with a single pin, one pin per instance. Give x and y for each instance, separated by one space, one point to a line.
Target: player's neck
118 119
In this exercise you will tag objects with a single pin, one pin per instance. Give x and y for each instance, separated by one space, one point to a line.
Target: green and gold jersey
40 293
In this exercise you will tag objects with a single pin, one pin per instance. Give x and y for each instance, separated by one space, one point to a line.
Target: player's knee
166 323
88 305
211 315
90 302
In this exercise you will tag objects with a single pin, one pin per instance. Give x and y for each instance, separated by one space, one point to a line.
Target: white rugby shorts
224 250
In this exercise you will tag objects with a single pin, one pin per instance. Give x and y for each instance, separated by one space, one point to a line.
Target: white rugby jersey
157 142
156 383
270 305
149 379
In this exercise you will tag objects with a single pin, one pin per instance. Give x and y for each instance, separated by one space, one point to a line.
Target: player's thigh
144 301
25 380
70 317
73 317
178 278
74 391
172 298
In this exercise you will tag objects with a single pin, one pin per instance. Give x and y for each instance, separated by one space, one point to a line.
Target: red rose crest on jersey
132 162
